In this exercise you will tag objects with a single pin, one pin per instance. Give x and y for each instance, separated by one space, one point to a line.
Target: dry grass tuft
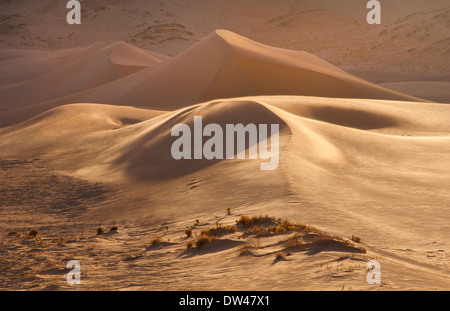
155 241
293 241
356 239
276 229
202 240
189 244
281 226
218 231
247 221
245 249
33 233
14 233
188 232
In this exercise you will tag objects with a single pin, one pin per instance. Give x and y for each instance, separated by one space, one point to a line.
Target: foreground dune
365 166
372 174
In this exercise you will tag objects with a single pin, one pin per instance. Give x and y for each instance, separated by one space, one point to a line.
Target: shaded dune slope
227 65
138 141
223 65
378 159
30 77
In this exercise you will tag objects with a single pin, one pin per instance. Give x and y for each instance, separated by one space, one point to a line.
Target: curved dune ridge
354 158
31 77
226 65
222 65
116 137
349 159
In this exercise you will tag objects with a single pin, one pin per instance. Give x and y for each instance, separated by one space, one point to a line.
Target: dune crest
86 138
228 65
225 65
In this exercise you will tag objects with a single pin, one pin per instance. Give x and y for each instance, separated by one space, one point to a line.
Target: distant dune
224 64
29 77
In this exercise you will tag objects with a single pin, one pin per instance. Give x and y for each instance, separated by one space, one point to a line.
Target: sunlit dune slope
222 65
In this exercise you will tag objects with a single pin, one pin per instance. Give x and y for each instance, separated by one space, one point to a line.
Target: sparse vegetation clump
356 239
269 225
293 241
279 225
155 241
100 231
279 256
276 229
245 249
247 221
188 232
114 228
328 237
14 233
33 233
218 231
292 226
202 240
189 244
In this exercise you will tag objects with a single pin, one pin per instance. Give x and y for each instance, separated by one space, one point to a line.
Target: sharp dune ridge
356 160
225 64
24 76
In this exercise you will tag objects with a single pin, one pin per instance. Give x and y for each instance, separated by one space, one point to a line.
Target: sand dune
412 39
356 159
225 65
366 164
66 72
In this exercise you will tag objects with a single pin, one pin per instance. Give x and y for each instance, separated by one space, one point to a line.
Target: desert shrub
293 241
356 239
247 221
276 229
114 228
245 249
33 233
100 231
189 244
155 241
188 232
202 240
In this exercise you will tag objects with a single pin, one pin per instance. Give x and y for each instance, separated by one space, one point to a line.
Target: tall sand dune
227 65
222 65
